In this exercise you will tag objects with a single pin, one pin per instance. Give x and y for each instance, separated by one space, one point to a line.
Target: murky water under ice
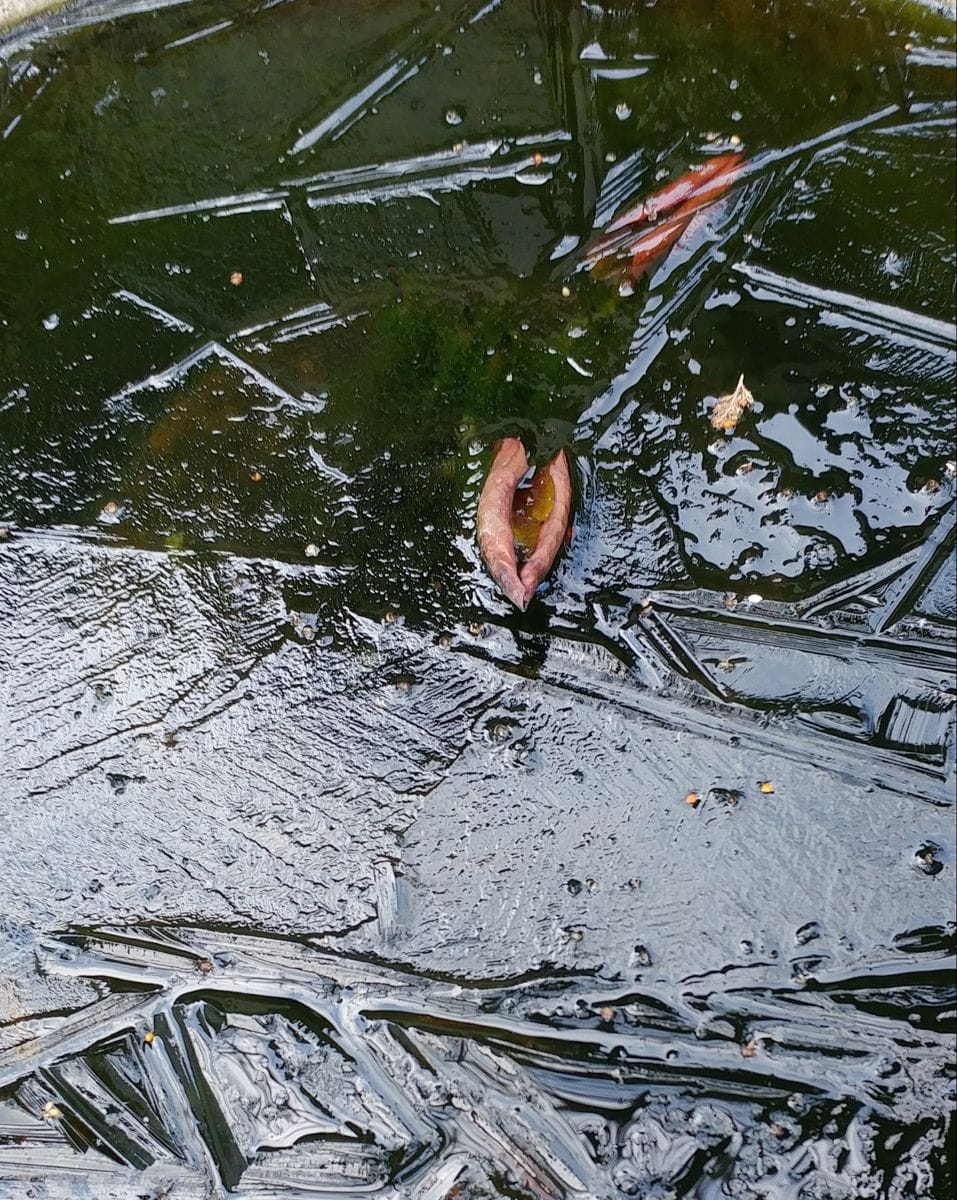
404 885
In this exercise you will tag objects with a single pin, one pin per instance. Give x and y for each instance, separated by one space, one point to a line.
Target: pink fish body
689 186
644 234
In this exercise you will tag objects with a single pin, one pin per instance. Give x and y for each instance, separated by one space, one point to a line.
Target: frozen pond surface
325 872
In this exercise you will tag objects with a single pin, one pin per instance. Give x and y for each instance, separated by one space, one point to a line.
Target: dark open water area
324 871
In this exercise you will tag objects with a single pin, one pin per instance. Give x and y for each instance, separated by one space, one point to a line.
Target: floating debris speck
729 409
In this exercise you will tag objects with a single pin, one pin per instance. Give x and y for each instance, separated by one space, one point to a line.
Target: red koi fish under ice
645 233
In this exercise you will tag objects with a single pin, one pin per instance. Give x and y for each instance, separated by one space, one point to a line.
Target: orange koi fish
645 233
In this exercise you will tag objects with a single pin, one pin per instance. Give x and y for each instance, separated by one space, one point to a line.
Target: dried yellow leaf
693 799
531 508
767 787
728 409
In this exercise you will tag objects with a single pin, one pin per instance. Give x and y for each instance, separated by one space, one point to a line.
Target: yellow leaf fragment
693 799
531 507
729 409
51 1111
149 1037
767 787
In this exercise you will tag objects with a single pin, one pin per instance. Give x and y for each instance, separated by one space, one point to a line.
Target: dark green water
454 327
404 883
